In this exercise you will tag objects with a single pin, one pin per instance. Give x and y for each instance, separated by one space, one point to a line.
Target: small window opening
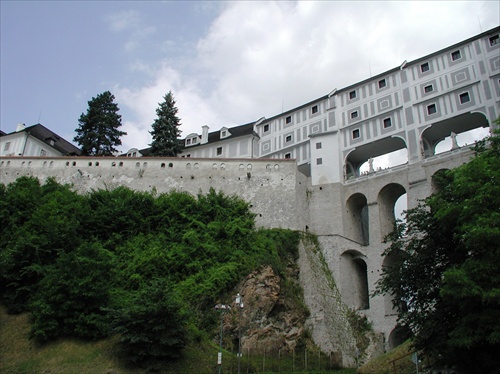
219 151
355 134
428 88
387 123
464 98
494 40
352 95
266 128
456 55
314 109
354 114
288 155
424 67
288 138
431 109
288 119
318 145
382 83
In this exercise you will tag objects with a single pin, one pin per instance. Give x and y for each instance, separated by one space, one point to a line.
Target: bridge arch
375 155
387 198
354 280
434 184
397 337
357 219
453 133
390 260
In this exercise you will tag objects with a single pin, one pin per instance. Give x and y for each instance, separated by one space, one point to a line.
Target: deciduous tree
446 283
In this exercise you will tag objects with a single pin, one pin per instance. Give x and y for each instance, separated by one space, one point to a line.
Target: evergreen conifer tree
166 130
98 133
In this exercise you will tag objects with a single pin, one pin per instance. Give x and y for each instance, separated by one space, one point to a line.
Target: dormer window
223 134
188 141
194 140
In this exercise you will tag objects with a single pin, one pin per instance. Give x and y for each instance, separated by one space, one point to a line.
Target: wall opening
357 219
354 280
387 198
397 337
453 133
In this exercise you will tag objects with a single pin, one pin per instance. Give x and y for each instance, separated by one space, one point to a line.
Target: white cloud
259 58
123 20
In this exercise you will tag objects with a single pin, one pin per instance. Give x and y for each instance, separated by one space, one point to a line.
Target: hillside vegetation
145 267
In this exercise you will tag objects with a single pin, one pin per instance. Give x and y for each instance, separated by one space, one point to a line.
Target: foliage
154 264
72 295
98 133
446 282
166 130
152 324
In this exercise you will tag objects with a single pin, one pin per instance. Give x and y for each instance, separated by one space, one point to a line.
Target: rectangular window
219 151
428 88
318 145
188 141
288 155
382 83
424 67
494 40
266 128
352 95
387 123
6 147
288 138
314 109
43 152
288 119
431 109
355 134
194 140
223 134
464 98
456 55
319 161
354 114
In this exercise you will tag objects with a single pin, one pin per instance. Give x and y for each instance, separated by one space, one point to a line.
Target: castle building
36 140
305 169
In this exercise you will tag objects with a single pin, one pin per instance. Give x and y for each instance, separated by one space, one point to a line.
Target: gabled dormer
224 133
192 139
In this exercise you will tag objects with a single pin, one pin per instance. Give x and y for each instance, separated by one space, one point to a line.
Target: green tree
166 130
446 280
72 295
98 133
151 323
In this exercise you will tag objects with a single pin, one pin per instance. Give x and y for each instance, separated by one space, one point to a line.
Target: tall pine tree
166 130
98 133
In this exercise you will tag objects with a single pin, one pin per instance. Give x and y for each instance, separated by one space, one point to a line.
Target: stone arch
434 182
387 198
357 219
397 337
390 260
354 280
434 134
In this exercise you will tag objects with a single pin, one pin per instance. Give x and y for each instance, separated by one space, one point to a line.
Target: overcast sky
227 63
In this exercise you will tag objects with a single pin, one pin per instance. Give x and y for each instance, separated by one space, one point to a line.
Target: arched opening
387 198
376 156
435 185
354 280
390 260
357 219
453 133
397 337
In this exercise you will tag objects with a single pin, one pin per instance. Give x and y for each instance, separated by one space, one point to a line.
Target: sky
226 63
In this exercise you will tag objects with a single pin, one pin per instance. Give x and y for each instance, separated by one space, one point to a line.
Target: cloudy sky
227 63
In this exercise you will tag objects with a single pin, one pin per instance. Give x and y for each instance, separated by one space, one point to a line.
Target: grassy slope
19 354
383 364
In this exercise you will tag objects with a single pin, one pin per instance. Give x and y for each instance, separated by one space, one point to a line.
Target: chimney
204 134
20 127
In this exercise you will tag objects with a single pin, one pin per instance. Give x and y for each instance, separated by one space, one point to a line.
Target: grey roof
42 133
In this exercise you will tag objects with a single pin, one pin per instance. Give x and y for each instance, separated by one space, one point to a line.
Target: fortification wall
274 188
